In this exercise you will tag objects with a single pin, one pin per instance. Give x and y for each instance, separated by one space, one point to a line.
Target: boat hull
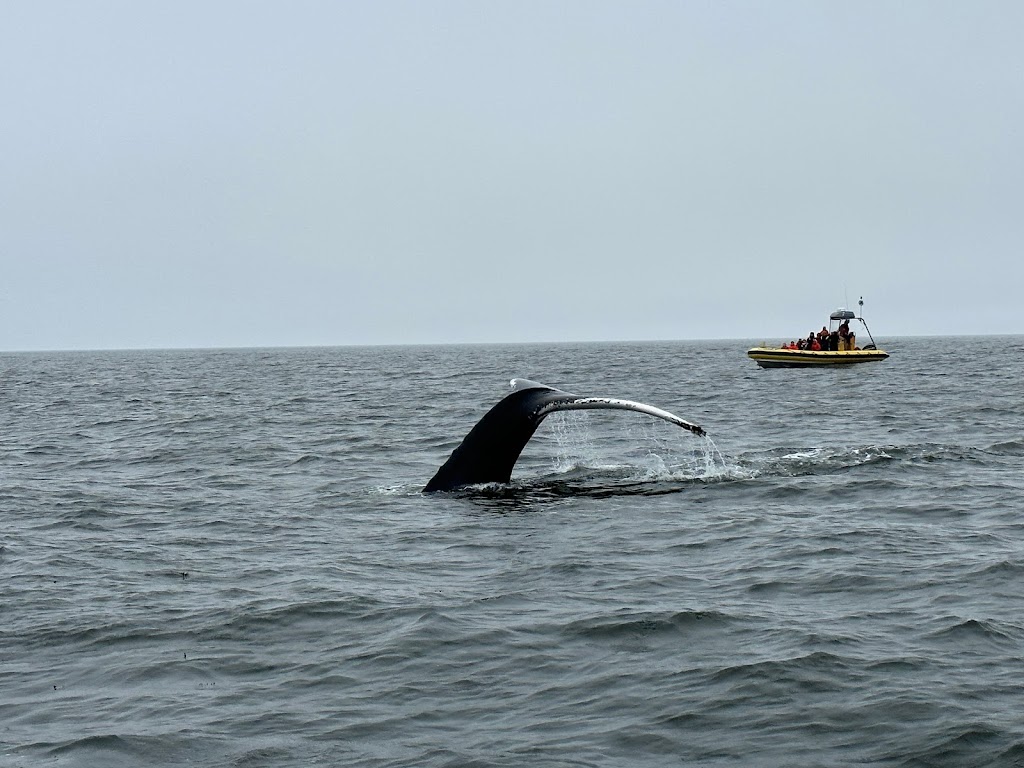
768 357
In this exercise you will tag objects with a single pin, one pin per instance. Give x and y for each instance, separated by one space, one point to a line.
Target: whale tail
489 452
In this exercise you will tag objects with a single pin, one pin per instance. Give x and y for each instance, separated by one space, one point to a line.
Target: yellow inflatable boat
836 347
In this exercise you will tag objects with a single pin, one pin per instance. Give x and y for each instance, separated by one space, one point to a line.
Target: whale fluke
490 450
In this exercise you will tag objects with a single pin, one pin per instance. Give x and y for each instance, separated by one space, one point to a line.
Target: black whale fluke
490 450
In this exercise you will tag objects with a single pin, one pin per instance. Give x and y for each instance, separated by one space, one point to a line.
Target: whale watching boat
834 345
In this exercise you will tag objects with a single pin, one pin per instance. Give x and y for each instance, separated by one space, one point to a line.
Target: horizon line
368 345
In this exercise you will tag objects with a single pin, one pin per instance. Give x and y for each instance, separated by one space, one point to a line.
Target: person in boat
833 341
846 339
823 337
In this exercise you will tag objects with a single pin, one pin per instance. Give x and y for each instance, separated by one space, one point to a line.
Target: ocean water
223 558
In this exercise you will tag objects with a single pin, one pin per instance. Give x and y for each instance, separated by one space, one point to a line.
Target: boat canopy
843 314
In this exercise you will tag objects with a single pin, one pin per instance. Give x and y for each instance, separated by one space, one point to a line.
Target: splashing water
573 439
651 449
713 463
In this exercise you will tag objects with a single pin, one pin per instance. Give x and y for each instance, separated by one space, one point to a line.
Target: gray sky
193 174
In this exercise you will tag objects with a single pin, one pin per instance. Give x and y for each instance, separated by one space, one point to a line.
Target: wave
891 459
171 748
117 749
133 746
978 629
1003 569
818 665
253 620
1013 448
637 626
965 745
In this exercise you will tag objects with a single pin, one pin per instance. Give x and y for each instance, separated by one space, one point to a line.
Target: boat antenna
865 322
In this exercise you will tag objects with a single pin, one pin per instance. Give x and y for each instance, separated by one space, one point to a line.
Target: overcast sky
197 174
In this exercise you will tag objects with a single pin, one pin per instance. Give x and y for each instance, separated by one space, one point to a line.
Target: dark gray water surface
223 558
